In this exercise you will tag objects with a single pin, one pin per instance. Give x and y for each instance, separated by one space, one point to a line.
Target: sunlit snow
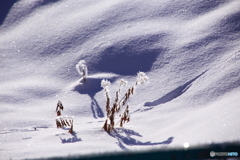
190 50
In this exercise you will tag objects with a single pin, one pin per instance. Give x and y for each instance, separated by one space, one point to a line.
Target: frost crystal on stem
142 78
122 82
105 83
81 68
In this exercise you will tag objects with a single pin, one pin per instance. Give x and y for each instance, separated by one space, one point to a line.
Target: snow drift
189 49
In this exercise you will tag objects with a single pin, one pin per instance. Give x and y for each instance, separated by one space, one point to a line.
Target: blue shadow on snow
130 57
173 94
129 141
73 139
90 87
5 7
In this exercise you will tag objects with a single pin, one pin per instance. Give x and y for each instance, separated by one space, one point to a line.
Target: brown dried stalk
71 129
125 117
117 105
59 108
62 122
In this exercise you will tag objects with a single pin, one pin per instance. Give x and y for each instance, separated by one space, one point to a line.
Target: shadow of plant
96 109
72 139
91 87
128 140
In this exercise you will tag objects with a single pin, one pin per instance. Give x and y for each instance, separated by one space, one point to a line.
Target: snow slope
189 49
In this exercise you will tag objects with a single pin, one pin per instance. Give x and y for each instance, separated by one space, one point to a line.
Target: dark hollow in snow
5 8
131 57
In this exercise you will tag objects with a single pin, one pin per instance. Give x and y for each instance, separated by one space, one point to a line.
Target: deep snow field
190 50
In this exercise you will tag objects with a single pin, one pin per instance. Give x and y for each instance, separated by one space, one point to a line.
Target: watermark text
227 154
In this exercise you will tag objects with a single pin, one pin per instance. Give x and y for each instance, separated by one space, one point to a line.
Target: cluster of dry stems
111 111
118 104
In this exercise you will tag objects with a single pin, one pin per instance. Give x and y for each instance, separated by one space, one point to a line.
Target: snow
188 49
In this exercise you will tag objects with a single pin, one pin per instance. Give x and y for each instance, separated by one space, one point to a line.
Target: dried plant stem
71 129
63 121
117 105
116 108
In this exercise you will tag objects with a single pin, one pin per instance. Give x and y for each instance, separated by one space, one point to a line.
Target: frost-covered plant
124 117
82 70
61 121
105 84
119 103
141 78
59 108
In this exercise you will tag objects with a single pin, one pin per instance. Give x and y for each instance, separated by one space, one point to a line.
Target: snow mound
188 49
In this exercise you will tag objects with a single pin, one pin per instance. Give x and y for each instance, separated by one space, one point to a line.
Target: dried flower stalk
61 121
118 104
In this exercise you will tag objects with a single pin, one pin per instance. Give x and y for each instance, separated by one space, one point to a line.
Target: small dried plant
120 103
82 70
61 121
125 117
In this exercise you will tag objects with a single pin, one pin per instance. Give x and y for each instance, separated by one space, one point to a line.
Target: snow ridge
189 49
